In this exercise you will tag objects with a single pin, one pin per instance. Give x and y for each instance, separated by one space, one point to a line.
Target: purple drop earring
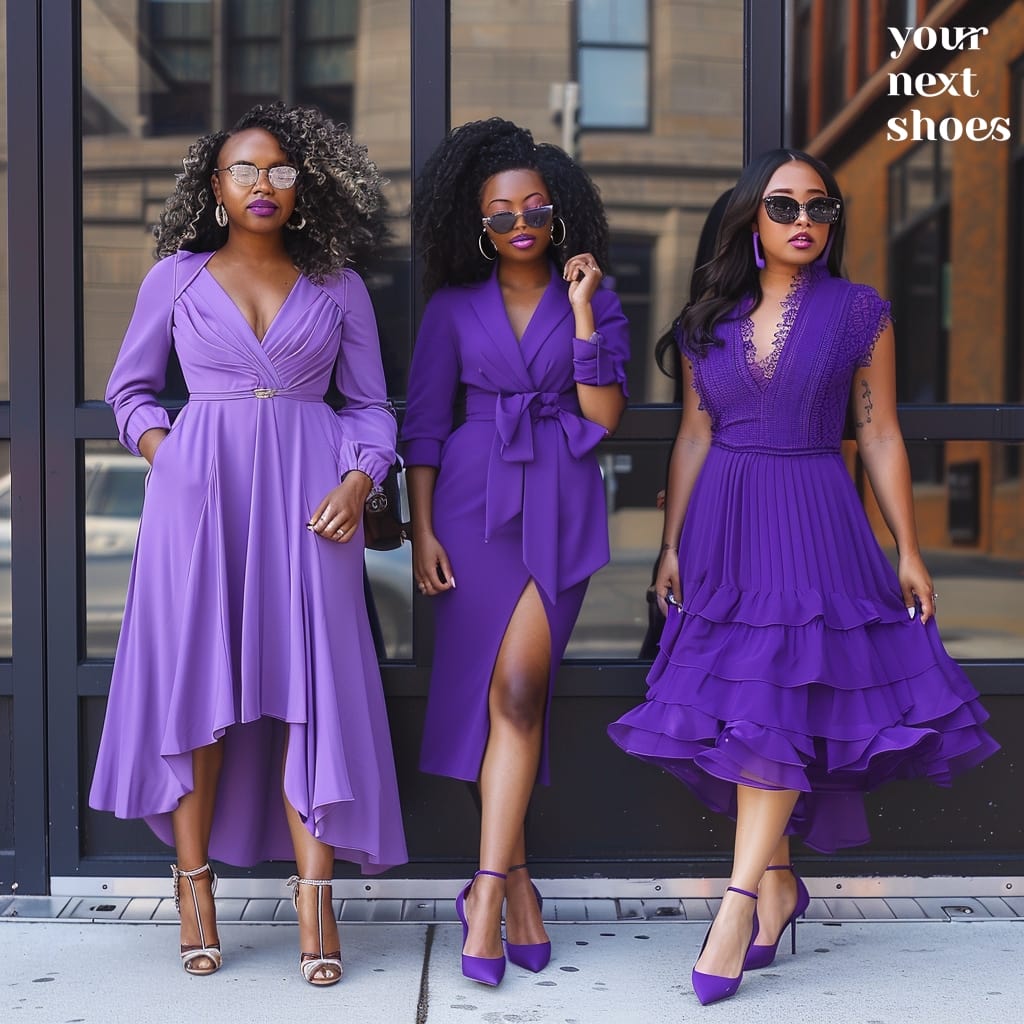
758 256
822 260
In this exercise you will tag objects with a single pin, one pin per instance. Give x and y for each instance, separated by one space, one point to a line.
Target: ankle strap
295 881
176 871
496 874
742 892
779 867
516 867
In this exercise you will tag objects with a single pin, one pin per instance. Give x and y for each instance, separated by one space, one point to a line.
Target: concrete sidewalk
898 972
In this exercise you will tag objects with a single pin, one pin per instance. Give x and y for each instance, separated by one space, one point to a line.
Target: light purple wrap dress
519 493
239 622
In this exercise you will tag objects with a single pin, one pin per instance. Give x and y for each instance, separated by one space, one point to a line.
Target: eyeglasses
502 223
820 209
246 174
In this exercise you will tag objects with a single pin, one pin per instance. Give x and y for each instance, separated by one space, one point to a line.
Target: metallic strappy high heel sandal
192 955
328 964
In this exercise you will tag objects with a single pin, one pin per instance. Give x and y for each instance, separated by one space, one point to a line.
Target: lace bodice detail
796 398
762 369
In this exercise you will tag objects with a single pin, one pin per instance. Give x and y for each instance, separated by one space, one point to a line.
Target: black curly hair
339 191
446 210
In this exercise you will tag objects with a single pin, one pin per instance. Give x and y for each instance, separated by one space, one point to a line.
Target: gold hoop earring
296 227
558 241
220 215
480 246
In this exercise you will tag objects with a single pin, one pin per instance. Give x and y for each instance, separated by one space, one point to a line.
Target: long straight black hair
732 274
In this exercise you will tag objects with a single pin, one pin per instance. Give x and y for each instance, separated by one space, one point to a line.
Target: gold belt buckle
264 392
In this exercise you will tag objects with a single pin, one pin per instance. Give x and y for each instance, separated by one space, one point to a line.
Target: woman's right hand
150 441
431 570
666 585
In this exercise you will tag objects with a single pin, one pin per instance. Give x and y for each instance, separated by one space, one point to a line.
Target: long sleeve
433 382
602 359
367 420
141 367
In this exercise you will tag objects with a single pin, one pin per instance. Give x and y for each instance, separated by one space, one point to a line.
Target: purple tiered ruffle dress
794 664
239 622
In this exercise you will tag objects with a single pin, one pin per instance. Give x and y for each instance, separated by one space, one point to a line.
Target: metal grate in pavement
142 909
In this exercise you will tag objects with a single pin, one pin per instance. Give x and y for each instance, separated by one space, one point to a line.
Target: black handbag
386 512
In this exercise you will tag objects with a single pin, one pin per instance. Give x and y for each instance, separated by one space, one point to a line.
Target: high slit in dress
239 622
519 494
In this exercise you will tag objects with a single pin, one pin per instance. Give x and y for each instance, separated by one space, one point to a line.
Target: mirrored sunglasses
820 209
502 223
280 176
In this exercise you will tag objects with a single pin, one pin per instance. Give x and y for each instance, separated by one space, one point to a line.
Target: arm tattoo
866 403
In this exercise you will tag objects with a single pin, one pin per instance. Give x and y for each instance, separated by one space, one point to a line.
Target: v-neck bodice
796 399
238 309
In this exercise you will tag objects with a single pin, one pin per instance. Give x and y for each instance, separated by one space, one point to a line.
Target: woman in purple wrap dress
796 669
508 509
245 666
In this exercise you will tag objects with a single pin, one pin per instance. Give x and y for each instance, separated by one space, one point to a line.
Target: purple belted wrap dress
794 664
519 493
239 622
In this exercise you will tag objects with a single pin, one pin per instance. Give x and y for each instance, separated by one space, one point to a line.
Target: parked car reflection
114 485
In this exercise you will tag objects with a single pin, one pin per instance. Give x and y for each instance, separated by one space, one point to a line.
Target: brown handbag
386 512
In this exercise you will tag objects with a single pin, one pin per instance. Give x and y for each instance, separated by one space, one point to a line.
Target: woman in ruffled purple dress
246 719
508 508
796 669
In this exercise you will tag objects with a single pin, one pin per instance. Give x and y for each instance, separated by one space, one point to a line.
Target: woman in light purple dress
246 719
508 509
796 669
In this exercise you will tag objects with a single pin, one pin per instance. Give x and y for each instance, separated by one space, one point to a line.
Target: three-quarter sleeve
601 359
368 422
433 381
140 369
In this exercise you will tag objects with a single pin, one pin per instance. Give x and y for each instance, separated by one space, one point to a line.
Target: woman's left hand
338 516
584 277
916 584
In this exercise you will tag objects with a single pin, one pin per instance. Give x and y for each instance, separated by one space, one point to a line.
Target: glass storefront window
113 487
179 68
659 179
182 68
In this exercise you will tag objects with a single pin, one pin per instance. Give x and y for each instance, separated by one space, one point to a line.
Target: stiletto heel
761 956
488 970
327 964
534 956
710 988
191 955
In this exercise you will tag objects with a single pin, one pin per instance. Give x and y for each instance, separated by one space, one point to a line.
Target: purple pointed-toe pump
488 970
710 988
761 956
534 956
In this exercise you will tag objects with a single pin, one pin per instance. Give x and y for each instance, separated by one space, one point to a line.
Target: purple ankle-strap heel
761 956
710 988
488 970
533 956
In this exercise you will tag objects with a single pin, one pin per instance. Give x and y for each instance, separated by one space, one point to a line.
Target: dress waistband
486 405
766 449
295 394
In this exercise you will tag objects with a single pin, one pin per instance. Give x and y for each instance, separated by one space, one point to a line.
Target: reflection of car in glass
114 486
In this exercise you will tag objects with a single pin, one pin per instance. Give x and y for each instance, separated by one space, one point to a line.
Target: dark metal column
764 66
25 277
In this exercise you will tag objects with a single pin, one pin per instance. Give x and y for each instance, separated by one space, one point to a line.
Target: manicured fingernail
452 578
912 612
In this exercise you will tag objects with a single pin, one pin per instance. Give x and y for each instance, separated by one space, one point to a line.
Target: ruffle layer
793 664
726 707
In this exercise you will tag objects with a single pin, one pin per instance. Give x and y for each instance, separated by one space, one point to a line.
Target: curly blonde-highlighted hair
339 192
